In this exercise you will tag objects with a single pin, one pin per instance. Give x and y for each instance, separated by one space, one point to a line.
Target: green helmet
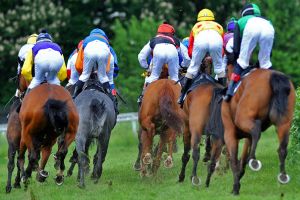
250 9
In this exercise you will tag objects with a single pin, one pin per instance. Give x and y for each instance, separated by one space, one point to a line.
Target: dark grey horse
97 118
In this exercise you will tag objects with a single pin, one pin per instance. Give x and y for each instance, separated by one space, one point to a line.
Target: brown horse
202 107
13 136
264 98
159 114
47 112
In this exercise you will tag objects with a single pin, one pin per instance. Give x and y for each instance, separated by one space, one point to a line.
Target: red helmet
166 28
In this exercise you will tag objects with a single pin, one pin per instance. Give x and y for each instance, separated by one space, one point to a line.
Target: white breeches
47 64
207 41
96 56
164 54
261 31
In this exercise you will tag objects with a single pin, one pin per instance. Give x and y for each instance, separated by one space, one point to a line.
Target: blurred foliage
294 148
130 24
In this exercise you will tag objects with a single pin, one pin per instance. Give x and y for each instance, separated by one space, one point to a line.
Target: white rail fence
123 117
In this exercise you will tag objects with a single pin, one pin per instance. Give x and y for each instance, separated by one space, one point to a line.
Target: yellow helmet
205 15
32 39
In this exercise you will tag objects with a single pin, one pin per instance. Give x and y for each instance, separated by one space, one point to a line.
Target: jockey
205 37
72 73
22 55
48 61
96 53
228 44
250 29
164 48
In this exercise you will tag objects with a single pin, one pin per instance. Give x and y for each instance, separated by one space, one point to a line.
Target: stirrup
227 97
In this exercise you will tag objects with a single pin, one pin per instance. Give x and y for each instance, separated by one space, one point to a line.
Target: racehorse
97 119
159 114
13 136
264 98
203 109
47 112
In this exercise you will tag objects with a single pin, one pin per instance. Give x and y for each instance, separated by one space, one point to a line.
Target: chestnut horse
264 98
159 114
203 109
47 112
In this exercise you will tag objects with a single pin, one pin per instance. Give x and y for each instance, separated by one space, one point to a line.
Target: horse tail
281 87
98 112
168 109
57 113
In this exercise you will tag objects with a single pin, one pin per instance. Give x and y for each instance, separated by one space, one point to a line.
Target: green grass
120 181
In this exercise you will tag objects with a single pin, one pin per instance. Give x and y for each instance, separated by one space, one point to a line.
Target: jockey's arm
27 66
185 57
236 41
144 53
62 74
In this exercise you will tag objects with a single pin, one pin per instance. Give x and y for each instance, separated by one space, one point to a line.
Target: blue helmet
44 36
98 31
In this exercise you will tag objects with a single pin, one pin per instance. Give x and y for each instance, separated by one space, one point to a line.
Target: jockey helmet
205 15
250 9
99 32
166 28
44 36
32 39
231 25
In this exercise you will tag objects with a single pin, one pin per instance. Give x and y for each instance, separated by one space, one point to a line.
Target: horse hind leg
283 136
10 165
255 164
217 145
137 164
171 137
146 158
185 156
18 176
73 161
41 174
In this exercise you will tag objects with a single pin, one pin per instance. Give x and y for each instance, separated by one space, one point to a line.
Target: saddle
200 79
92 84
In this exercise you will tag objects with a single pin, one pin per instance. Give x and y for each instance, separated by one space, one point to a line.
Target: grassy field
120 181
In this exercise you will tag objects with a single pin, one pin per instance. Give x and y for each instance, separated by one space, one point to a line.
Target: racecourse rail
123 117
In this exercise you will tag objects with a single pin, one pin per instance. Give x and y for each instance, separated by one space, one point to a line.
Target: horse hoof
136 166
69 173
81 185
44 173
8 189
168 163
59 180
283 178
23 179
17 185
196 181
255 165
147 160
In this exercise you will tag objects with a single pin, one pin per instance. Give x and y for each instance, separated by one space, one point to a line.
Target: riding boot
140 98
108 89
78 88
222 81
235 77
186 85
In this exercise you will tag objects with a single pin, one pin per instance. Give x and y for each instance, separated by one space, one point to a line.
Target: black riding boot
230 90
140 98
106 85
186 85
78 88
222 81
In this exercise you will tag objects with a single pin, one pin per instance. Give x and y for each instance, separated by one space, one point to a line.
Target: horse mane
215 125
